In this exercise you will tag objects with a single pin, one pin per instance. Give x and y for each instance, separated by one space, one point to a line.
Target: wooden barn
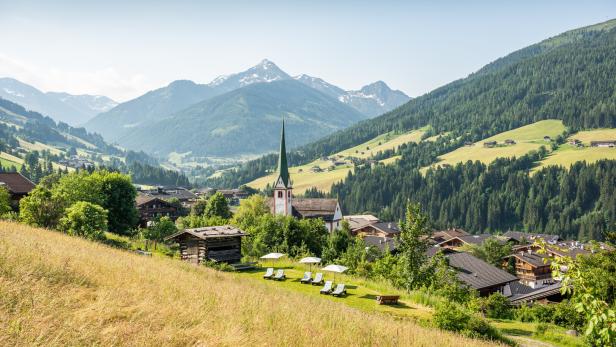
217 243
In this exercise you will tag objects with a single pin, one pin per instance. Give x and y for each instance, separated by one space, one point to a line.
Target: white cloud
107 81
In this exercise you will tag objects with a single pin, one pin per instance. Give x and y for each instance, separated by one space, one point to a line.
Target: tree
199 207
41 208
85 219
217 206
492 251
337 243
119 196
589 279
249 211
5 201
160 230
413 246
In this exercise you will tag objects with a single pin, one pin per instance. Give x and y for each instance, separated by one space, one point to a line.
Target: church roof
283 168
311 208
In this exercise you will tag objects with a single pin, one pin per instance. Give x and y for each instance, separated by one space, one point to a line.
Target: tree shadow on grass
515 332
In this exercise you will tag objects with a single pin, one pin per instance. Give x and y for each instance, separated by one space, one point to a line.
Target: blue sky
123 49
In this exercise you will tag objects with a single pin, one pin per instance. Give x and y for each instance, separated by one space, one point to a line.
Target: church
283 202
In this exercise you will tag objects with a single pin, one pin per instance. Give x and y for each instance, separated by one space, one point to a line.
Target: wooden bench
244 266
387 299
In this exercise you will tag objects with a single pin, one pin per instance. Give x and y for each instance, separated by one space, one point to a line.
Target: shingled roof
477 273
538 294
16 183
210 232
310 207
532 258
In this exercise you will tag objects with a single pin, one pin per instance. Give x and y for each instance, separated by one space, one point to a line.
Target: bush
85 219
453 317
497 306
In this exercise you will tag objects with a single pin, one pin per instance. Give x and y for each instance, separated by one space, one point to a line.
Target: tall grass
58 290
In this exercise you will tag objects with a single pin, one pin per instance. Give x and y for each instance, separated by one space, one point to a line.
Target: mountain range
205 119
62 107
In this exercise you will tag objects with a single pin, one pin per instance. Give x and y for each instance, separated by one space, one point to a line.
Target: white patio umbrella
273 256
310 261
335 269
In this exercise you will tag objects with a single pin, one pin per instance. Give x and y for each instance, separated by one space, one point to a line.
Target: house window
289 194
280 194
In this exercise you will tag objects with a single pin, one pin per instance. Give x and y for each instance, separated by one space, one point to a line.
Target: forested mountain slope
246 121
37 146
568 77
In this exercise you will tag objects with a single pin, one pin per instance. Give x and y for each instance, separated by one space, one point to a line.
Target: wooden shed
217 243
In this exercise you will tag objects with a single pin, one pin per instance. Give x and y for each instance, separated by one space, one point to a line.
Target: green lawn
361 294
521 332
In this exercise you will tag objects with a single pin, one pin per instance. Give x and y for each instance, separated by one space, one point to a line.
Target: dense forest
576 203
568 77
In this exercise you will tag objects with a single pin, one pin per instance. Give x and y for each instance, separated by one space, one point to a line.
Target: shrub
453 317
497 306
85 219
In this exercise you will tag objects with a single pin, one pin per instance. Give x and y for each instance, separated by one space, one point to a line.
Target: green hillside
527 138
567 77
37 146
244 120
306 177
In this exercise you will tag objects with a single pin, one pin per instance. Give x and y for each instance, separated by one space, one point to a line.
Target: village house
445 235
603 143
476 273
544 295
547 138
459 241
215 243
233 196
17 185
152 208
76 162
533 269
283 202
521 238
183 195
509 142
489 144
380 229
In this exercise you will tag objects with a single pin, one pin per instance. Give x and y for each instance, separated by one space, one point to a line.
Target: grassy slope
59 290
566 154
528 138
323 180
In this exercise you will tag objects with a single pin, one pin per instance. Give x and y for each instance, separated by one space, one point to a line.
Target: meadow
304 178
57 290
527 138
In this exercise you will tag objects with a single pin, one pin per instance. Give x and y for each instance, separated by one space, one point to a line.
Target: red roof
16 183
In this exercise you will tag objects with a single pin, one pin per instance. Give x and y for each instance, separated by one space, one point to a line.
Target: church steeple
282 187
283 169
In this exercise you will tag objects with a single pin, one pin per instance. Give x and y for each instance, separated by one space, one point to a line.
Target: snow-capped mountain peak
264 72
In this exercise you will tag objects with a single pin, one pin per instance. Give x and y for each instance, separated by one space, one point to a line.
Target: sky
123 49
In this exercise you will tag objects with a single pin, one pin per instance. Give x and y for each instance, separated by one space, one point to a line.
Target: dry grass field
57 290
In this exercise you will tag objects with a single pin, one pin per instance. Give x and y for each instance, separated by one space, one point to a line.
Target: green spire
283 169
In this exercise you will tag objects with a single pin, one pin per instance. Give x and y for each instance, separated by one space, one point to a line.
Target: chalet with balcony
531 268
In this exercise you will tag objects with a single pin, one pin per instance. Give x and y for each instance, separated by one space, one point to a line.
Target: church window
279 194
